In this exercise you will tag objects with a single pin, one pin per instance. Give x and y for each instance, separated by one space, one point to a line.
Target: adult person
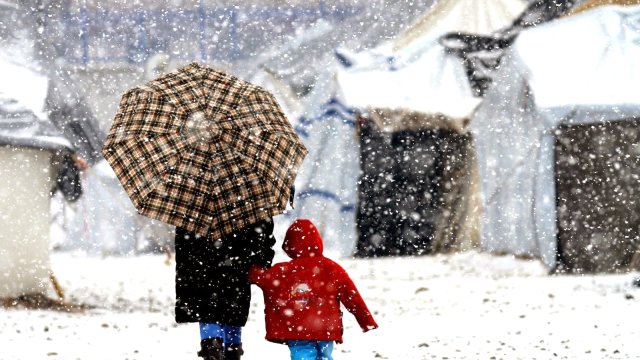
212 288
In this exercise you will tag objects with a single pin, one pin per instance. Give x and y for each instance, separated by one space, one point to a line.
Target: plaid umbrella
203 150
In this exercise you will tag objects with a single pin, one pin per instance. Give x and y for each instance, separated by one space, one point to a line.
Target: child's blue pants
310 350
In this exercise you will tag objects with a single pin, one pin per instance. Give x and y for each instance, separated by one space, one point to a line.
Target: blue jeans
310 350
229 334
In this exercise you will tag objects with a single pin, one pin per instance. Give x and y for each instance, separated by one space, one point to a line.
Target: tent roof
435 83
22 89
23 121
414 72
481 17
590 4
587 59
297 60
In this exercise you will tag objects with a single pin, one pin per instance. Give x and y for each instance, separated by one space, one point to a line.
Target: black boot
233 352
211 349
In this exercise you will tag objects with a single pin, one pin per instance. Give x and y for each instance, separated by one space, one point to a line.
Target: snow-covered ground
462 306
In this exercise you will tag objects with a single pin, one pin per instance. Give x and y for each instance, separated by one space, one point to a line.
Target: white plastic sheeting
580 69
21 89
326 189
481 17
103 221
25 182
435 83
414 72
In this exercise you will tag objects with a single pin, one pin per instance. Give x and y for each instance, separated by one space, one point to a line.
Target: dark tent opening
597 170
411 190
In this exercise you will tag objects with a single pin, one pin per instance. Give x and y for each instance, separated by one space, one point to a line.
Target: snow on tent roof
22 89
434 83
299 66
23 121
594 61
414 72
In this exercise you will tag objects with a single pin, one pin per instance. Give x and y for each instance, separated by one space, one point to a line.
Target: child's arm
350 297
257 275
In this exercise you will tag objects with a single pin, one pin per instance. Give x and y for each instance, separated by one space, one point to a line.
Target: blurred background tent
590 4
482 53
35 161
99 221
417 192
301 73
558 144
69 111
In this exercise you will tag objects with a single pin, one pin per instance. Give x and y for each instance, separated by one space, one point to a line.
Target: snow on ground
461 306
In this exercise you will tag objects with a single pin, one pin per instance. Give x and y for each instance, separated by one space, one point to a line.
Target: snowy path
462 306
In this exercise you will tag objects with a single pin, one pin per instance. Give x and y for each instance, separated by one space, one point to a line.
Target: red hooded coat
302 297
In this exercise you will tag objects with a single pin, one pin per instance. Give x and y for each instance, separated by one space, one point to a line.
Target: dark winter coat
303 296
211 275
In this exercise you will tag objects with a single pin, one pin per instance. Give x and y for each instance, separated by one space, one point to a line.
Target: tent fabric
326 185
604 40
69 111
325 123
590 4
590 79
415 72
398 119
464 16
23 119
411 85
482 54
434 83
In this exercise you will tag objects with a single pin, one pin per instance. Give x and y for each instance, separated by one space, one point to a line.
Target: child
302 296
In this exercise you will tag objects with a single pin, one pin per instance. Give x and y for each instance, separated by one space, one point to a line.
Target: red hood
302 240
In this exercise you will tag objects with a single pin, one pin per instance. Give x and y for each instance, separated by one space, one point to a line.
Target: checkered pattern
204 150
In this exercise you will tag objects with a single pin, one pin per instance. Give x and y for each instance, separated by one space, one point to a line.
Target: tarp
69 111
415 72
326 185
23 119
578 69
590 4
435 83
105 222
464 16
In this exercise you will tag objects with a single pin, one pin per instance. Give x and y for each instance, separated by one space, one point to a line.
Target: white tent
326 182
413 71
434 83
27 143
414 74
326 185
580 69
480 17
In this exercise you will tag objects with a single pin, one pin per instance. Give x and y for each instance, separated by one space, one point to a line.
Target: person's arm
352 301
262 242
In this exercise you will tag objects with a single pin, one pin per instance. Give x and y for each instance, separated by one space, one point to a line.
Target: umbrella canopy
204 150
